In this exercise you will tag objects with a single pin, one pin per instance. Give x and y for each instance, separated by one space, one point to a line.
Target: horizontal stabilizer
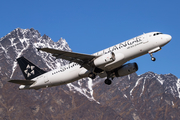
22 82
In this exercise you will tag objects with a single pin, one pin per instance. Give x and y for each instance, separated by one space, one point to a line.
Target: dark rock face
143 97
146 97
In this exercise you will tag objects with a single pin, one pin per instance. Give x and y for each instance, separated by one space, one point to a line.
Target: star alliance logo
29 70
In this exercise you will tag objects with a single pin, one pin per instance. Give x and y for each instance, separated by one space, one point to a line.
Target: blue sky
90 26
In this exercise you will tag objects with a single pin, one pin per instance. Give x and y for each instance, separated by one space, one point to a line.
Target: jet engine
126 69
104 59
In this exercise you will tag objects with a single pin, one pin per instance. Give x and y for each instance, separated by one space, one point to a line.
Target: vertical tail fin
28 69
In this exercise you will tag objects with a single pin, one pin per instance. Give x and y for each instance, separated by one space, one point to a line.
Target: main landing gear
152 58
92 75
108 81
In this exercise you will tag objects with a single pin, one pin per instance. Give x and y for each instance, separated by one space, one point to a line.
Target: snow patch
83 91
143 87
129 77
90 84
178 87
125 96
172 103
160 79
23 40
137 82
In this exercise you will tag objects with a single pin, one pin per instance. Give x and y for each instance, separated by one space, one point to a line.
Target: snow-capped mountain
19 40
26 41
147 96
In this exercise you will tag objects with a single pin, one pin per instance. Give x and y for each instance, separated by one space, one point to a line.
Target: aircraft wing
82 59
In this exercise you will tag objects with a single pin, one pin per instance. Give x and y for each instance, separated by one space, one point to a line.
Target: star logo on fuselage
29 70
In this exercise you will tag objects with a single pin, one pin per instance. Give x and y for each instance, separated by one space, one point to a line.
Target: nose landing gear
152 58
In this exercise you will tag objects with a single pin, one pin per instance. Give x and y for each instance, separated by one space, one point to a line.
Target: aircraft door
46 80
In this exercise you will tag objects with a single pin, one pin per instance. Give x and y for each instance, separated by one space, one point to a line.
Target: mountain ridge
136 97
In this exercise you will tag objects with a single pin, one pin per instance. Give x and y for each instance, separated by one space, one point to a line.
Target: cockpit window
156 34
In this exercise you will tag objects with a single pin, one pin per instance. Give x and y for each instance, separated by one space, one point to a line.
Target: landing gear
108 81
110 77
92 75
152 58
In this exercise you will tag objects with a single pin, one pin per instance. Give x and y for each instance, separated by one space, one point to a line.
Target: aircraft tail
28 69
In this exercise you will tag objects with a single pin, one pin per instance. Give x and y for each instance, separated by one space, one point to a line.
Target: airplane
109 63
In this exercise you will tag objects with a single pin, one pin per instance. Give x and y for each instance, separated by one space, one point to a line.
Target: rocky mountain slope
144 97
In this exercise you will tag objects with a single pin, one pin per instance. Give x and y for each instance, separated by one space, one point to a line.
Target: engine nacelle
104 59
126 69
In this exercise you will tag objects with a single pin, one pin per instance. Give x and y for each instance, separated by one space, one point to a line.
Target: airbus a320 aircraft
108 63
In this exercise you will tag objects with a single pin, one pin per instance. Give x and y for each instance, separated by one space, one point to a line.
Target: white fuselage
124 52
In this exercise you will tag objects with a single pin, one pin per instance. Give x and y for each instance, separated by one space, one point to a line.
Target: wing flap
22 82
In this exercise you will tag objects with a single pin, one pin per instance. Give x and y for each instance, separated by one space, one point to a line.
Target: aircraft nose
168 38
